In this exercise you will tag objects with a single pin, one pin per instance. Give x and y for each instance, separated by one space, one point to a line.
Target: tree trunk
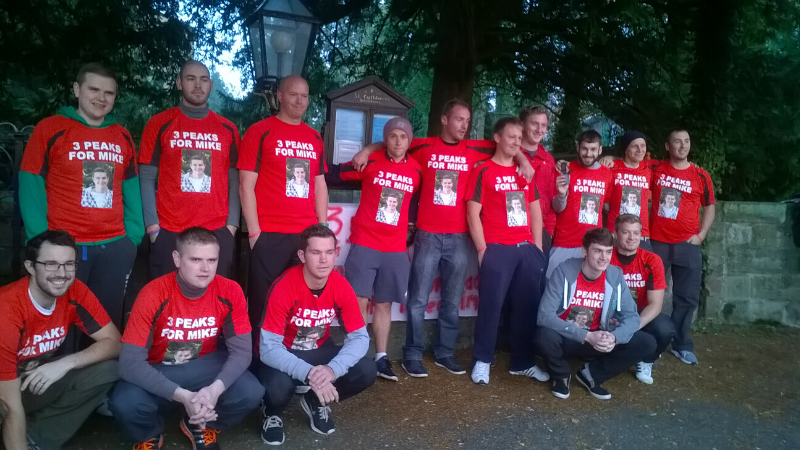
455 58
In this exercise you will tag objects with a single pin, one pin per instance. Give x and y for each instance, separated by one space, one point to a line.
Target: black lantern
282 33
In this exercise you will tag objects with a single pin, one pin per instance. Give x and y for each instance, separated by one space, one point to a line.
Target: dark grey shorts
382 274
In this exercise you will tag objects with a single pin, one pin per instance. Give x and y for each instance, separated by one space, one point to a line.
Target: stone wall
753 266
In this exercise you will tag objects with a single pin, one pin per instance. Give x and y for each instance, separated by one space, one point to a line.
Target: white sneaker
644 372
532 372
480 373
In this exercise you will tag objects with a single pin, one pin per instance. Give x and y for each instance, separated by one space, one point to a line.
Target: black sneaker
320 416
272 430
595 389
202 438
150 444
414 368
450 364
561 387
385 369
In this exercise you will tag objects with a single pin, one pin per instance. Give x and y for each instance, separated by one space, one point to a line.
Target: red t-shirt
585 186
31 335
644 273
586 305
304 320
272 148
381 221
442 208
677 198
175 329
544 166
498 189
66 153
627 182
169 142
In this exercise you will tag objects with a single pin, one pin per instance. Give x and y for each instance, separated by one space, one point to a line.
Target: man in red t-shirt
295 345
581 191
78 174
56 394
587 312
189 153
535 121
171 353
644 275
377 265
509 242
680 190
276 206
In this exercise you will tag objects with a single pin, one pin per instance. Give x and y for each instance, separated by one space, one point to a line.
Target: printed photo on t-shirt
631 201
307 337
669 203
98 182
444 192
297 171
196 171
580 316
179 352
389 206
517 213
589 209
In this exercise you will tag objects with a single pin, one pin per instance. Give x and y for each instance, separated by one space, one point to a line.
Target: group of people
572 287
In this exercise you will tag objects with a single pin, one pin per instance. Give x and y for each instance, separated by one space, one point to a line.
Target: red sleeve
12 326
237 144
481 146
141 321
418 149
279 304
237 322
131 169
90 316
250 153
346 305
348 173
149 141
33 157
323 163
708 188
657 271
475 185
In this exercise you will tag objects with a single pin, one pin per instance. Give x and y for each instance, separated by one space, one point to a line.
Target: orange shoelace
210 435
151 444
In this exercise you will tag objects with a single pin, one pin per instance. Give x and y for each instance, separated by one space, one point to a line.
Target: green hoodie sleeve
32 203
132 210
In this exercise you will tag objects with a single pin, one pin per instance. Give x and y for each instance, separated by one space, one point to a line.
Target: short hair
316 231
626 218
95 68
447 176
394 194
599 236
669 191
590 137
592 199
197 157
100 169
451 104
298 165
532 110
192 62
515 197
673 131
197 236
503 122
53 237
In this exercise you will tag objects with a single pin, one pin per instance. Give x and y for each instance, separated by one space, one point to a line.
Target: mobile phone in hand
565 172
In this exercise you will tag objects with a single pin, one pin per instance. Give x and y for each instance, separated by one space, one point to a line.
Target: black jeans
161 262
280 385
662 328
271 255
685 263
555 349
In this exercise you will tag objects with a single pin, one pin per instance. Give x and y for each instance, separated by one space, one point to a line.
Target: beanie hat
629 137
398 123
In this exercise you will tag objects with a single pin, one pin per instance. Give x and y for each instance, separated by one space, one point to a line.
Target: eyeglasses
52 266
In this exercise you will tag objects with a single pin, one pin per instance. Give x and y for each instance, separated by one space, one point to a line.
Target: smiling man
187 159
63 151
56 394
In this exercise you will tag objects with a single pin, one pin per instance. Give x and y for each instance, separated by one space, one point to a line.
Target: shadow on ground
742 395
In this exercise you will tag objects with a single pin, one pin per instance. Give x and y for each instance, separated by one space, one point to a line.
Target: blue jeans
448 252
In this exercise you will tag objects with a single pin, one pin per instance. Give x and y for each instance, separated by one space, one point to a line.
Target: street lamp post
281 34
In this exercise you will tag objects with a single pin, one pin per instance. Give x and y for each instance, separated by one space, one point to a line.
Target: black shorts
382 274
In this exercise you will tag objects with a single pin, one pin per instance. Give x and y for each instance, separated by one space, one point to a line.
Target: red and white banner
339 215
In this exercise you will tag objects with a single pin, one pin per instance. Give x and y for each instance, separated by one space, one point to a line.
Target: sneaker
686 357
202 438
302 389
320 416
450 364
480 373
150 444
385 369
532 372
644 372
103 409
272 430
415 369
597 390
561 387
